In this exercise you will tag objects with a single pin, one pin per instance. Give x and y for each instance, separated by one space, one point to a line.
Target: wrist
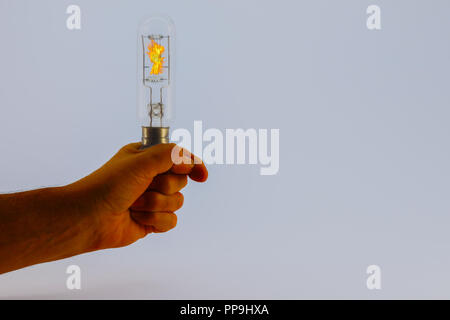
84 223
42 225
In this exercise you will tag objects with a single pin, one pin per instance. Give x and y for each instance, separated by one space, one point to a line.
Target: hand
135 193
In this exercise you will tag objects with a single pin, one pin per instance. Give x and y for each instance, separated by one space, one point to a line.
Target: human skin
135 193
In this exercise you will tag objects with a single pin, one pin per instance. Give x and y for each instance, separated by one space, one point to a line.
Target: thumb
156 160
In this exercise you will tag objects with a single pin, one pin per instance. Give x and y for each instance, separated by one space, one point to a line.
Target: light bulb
155 85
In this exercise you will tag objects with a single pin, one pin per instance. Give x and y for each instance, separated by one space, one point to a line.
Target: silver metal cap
154 135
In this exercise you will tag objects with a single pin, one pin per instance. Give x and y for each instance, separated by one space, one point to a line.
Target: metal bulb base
154 135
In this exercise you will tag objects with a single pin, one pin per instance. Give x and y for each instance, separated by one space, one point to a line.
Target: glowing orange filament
155 52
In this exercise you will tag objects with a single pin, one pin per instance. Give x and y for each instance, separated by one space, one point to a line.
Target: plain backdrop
364 151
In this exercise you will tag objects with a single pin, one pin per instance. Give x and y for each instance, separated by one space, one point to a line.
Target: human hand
135 193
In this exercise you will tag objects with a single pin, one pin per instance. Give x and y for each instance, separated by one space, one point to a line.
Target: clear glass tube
155 85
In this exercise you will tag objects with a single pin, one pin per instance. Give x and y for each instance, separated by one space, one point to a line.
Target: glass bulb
155 84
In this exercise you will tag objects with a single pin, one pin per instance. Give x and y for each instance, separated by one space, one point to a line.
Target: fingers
187 163
199 173
156 221
168 183
154 210
185 167
196 172
152 201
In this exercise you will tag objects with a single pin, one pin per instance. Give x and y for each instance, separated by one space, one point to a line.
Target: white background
364 153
